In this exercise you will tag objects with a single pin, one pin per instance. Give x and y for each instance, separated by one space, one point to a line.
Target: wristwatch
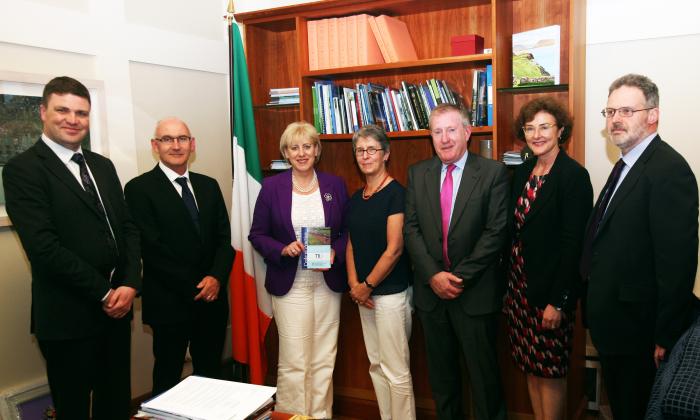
370 285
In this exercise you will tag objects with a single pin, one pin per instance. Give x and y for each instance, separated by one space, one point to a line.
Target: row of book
283 96
482 97
358 40
343 110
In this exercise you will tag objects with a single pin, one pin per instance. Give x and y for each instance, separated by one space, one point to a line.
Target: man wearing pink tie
454 231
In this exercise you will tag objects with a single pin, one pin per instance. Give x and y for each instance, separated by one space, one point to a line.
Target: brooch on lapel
328 197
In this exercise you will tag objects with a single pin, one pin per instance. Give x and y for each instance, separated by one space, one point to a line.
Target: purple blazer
272 230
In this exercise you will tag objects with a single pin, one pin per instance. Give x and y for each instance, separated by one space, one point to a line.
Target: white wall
155 58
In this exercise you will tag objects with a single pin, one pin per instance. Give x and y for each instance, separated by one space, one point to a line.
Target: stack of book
343 110
358 40
202 398
279 165
512 158
284 96
482 97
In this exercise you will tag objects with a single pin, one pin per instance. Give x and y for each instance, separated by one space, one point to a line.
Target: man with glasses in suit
640 252
187 258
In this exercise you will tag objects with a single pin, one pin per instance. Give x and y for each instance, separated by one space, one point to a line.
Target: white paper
201 398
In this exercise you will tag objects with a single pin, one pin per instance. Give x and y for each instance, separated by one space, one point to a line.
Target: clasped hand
118 301
360 294
446 285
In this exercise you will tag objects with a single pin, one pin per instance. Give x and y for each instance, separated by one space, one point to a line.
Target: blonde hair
303 130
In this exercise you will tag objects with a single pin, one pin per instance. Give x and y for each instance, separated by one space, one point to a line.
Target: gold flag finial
229 12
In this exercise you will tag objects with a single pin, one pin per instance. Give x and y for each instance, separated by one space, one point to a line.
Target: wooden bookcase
277 54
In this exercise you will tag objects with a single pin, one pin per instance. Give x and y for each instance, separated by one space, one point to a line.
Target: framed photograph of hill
536 57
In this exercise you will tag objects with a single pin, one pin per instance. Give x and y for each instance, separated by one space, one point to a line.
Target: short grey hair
373 132
447 107
643 83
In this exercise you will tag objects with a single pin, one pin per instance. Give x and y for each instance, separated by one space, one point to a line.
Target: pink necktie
446 207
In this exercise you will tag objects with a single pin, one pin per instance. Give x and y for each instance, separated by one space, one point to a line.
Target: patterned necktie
446 208
586 254
89 188
188 198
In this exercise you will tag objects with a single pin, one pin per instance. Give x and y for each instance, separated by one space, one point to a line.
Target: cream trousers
307 321
386 330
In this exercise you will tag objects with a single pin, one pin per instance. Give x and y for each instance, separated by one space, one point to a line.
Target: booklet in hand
317 248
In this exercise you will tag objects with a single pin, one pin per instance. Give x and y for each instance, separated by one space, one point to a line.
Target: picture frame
28 87
32 402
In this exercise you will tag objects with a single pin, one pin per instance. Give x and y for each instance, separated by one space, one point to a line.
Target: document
317 247
199 398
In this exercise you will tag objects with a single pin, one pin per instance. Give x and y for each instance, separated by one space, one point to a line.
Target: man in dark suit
68 208
187 257
640 253
454 231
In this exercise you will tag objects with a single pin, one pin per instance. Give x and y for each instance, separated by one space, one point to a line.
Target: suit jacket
476 235
176 257
644 256
63 234
552 232
272 230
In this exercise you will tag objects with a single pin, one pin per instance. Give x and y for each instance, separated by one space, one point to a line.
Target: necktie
446 207
188 198
585 267
89 188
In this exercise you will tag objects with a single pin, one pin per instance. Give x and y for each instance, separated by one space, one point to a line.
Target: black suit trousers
628 381
447 329
204 334
100 365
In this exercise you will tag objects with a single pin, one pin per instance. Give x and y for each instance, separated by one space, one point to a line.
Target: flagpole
229 20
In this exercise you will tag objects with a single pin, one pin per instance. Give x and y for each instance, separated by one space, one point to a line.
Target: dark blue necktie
587 251
89 188
188 198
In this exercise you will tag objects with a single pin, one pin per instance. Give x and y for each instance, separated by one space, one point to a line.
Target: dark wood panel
269 124
272 59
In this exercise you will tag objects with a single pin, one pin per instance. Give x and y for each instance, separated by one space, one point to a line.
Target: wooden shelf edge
534 89
398 135
286 106
429 62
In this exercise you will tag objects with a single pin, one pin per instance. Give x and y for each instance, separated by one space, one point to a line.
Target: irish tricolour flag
251 308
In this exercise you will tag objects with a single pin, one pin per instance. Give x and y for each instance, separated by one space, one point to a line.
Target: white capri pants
386 330
307 321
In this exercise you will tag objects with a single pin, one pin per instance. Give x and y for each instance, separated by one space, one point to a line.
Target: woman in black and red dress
551 199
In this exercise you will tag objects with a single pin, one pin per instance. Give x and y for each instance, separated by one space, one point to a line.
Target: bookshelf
277 54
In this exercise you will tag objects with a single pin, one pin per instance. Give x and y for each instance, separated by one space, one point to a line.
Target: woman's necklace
310 187
366 196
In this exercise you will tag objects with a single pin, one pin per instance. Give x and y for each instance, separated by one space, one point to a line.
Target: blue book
489 94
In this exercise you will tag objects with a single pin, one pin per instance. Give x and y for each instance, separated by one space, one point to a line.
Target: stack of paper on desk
199 398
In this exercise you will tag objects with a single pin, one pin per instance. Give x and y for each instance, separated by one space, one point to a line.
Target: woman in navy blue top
379 273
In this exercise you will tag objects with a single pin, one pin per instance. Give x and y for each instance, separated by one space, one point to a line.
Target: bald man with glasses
187 258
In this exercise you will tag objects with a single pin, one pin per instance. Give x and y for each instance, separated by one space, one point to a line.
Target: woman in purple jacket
305 303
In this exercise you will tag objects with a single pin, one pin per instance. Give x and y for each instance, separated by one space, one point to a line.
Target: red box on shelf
467 44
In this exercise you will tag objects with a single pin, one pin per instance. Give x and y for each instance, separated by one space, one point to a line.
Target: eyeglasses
530 130
625 111
171 140
370 151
